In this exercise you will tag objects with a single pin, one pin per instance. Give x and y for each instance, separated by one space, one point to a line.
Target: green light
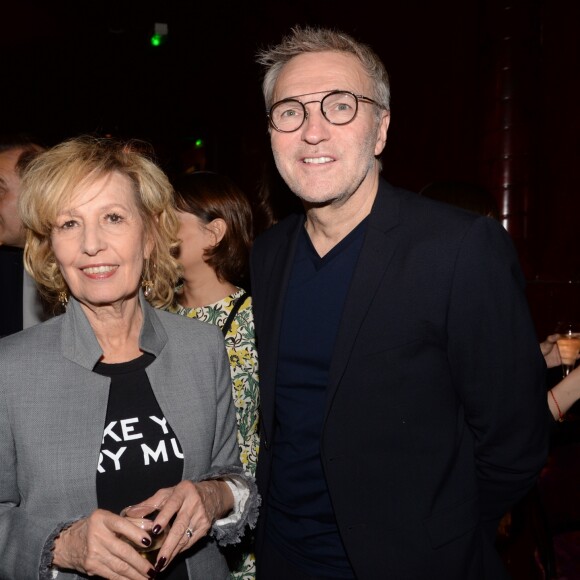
198 143
156 40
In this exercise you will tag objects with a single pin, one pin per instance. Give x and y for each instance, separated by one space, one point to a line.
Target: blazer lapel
378 248
87 393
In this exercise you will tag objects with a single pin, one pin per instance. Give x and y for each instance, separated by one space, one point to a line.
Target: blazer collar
385 213
80 345
379 246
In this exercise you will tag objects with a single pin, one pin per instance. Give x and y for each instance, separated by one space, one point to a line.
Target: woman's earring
146 282
147 288
63 298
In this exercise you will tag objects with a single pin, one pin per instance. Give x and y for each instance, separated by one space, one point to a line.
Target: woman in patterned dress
216 234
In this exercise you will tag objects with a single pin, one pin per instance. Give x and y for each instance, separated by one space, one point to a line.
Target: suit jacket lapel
378 248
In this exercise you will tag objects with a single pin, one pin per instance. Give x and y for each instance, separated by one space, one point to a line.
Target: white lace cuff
241 493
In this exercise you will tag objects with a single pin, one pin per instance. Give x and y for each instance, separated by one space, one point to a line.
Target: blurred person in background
215 232
20 303
567 391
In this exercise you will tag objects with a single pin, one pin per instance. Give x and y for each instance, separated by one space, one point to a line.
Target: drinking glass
568 344
142 516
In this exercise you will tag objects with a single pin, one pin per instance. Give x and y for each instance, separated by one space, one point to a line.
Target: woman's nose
93 239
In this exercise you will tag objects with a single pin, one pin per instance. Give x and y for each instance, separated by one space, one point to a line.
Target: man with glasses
402 387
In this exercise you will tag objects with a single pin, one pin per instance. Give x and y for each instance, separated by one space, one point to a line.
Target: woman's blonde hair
54 177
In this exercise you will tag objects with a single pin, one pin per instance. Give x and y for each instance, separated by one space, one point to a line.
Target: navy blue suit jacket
435 419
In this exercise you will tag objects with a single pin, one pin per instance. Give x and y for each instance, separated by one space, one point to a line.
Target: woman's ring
189 533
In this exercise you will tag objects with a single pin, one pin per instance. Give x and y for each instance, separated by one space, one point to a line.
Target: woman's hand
550 351
191 509
93 546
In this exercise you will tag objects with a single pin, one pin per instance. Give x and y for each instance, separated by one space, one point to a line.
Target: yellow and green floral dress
241 348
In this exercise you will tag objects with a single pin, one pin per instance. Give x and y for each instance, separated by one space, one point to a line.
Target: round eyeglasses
338 108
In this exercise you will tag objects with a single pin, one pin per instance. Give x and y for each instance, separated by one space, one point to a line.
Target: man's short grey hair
303 40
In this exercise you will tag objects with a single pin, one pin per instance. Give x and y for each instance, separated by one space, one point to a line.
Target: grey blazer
52 415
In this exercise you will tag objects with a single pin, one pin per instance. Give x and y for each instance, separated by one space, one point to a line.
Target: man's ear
218 228
382 134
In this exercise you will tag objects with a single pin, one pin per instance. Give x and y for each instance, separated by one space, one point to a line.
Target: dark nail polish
146 542
156 530
152 574
160 564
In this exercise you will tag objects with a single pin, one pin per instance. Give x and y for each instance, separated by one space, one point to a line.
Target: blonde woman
114 402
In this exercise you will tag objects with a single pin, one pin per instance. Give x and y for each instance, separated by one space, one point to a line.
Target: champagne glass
143 516
568 344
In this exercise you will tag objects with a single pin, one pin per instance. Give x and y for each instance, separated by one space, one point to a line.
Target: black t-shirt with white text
140 452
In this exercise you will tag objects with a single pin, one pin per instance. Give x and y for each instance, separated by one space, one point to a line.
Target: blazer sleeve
497 367
225 456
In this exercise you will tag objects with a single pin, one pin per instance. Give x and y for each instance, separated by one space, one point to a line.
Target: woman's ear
218 228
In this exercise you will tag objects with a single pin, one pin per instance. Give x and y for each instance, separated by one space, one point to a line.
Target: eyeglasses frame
357 98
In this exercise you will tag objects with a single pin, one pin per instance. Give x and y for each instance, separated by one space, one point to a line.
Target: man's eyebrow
295 97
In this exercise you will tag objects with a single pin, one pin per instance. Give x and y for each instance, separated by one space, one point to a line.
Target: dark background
88 67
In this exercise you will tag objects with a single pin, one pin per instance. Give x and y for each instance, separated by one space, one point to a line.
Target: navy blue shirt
300 520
